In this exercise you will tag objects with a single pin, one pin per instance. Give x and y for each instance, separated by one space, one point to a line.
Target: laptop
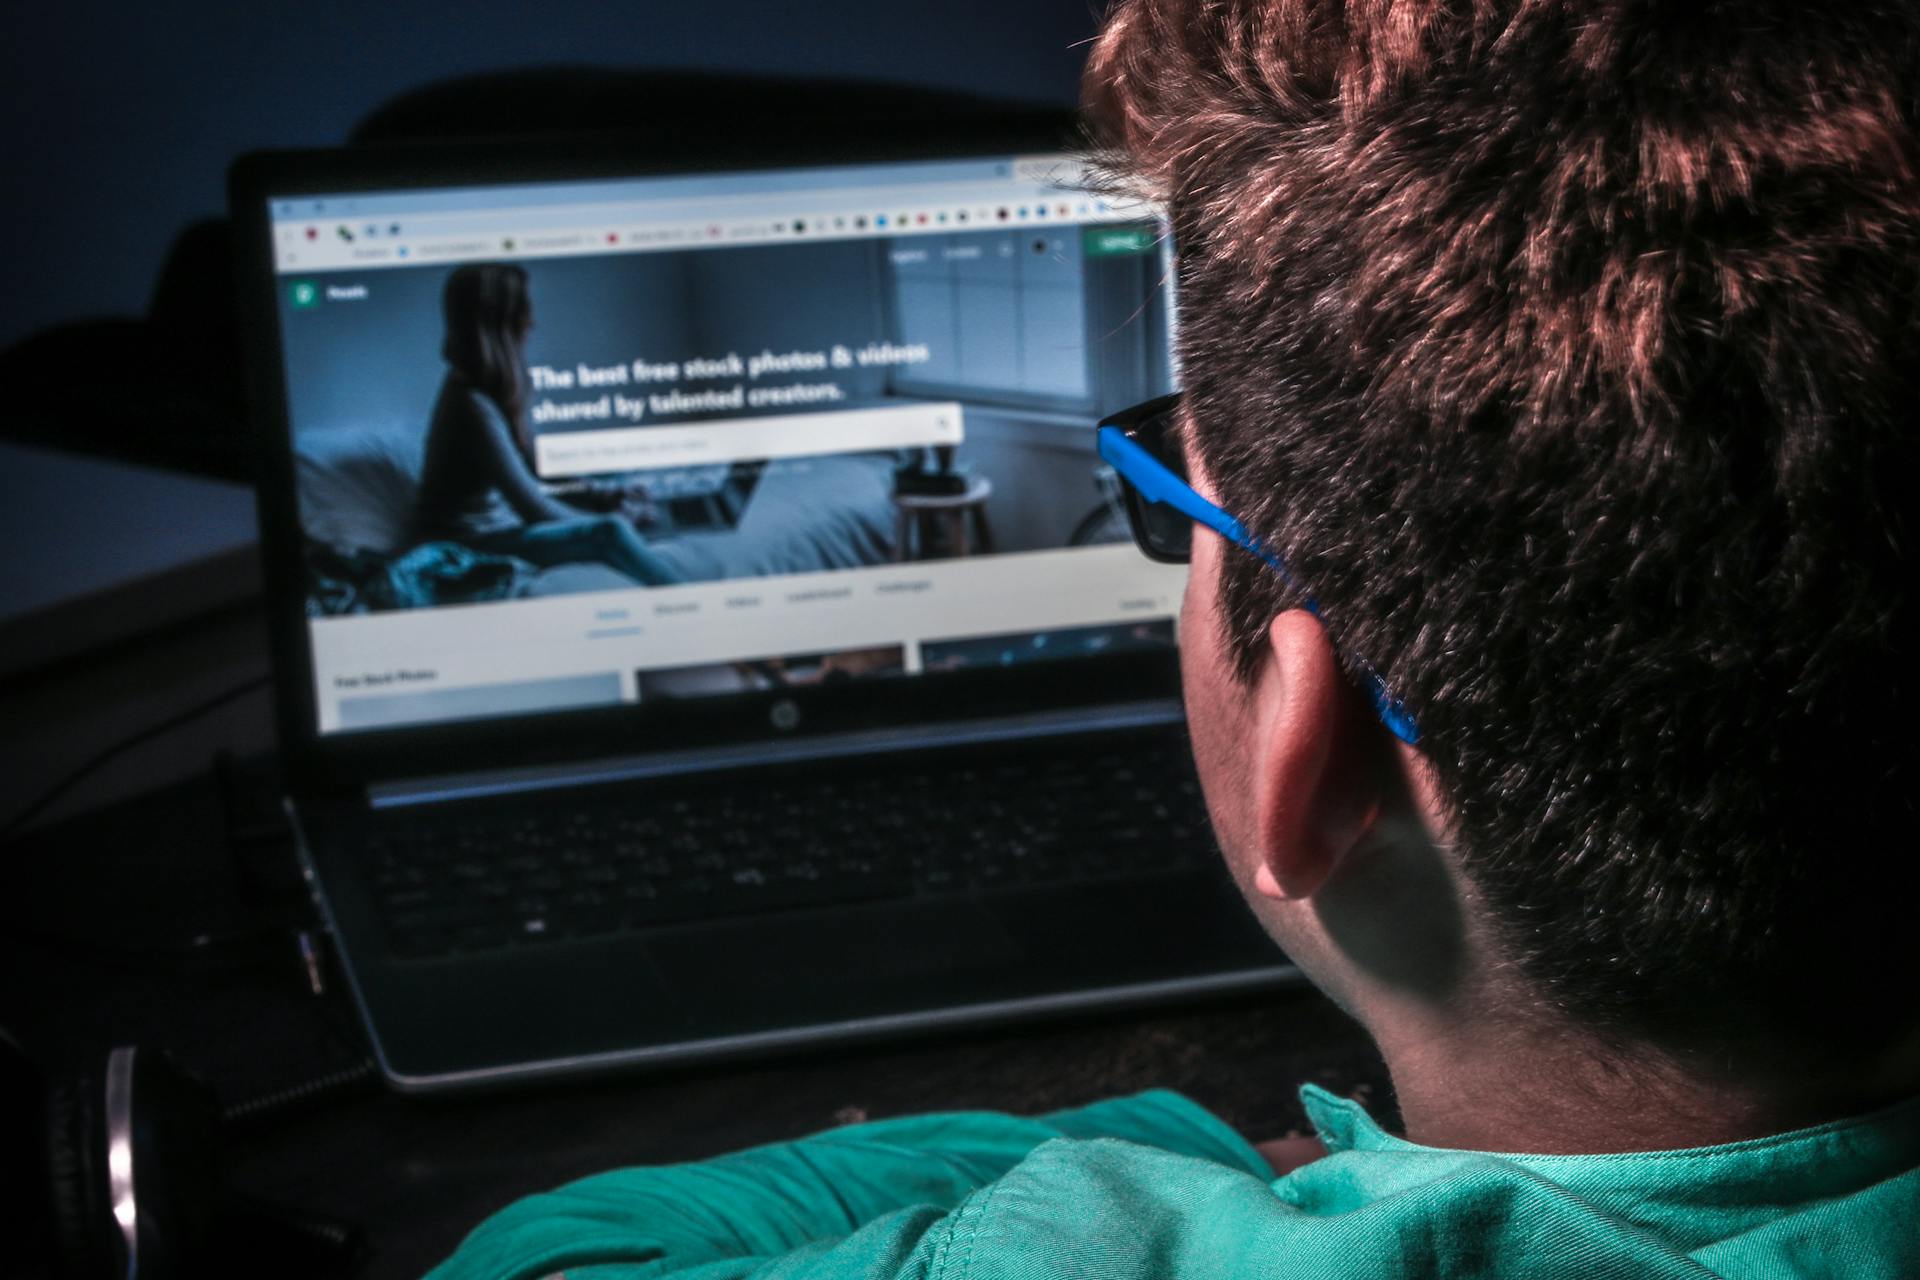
702 624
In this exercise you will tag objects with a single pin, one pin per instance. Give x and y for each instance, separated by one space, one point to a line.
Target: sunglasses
1162 507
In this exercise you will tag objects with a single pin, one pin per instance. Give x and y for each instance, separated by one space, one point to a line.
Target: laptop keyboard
559 869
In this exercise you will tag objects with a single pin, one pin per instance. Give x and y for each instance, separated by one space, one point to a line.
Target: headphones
123 1165
118 1175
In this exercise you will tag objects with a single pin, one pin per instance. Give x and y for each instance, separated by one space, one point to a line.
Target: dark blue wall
122 116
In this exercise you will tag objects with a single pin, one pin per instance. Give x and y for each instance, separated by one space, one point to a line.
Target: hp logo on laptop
784 715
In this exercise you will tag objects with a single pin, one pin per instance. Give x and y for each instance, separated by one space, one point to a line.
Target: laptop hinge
442 788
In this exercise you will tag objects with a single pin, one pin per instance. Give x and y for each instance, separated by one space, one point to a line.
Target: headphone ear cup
76 1182
146 1132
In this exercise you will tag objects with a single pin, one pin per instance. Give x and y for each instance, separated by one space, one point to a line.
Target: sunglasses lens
1162 532
1165 534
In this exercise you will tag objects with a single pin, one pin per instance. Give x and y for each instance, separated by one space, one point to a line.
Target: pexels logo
303 294
784 715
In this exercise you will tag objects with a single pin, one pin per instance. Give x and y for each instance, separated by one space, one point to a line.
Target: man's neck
1530 1091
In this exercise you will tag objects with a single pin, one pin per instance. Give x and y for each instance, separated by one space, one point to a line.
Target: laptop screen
572 445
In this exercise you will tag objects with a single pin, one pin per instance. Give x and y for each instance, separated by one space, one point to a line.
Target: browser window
578 444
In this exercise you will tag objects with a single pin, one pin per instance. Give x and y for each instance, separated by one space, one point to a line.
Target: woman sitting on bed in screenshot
477 486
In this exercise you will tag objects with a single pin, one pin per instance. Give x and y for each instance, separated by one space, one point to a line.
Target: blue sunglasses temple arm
1154 482
1392 712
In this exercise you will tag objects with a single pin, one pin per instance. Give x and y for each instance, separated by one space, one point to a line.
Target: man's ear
1315 779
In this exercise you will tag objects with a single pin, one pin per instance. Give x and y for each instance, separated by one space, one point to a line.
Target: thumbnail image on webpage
502 430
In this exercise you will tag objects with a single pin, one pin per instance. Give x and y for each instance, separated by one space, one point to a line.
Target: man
1549 396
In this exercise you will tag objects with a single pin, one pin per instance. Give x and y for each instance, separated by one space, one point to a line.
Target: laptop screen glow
581 444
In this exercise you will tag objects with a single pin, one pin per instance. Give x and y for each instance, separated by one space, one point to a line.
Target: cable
356 1075
80 774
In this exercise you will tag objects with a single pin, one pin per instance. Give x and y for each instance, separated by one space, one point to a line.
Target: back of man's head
1569 353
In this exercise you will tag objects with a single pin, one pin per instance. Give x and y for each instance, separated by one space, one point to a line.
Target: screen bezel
346 761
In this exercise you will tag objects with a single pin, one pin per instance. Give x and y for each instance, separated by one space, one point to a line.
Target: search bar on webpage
798 435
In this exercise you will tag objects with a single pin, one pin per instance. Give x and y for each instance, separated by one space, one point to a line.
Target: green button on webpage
1108 242
305 293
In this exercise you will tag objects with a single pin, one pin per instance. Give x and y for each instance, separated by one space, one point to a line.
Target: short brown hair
1568 352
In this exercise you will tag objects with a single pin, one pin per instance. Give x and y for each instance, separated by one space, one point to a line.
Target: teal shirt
1155 1187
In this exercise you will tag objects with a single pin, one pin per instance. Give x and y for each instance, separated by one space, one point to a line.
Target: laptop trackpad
822 965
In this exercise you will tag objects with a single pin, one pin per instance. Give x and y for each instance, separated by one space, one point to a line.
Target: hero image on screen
504 429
